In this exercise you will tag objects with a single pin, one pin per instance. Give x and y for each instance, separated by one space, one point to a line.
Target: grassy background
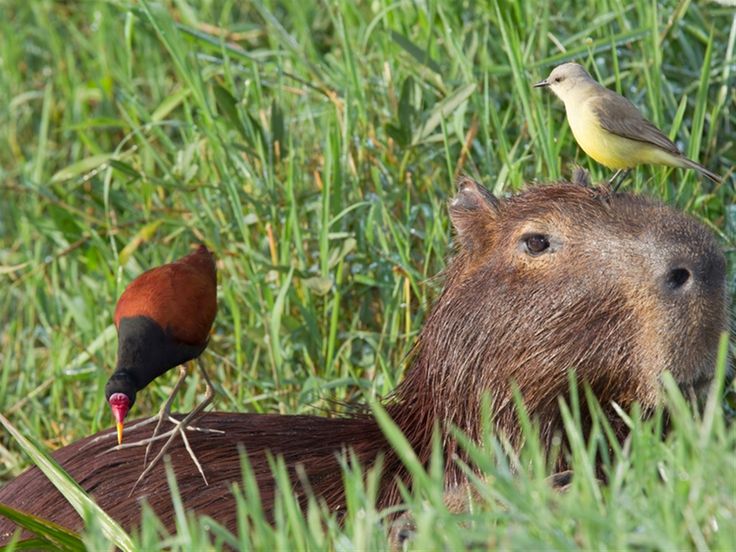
312 146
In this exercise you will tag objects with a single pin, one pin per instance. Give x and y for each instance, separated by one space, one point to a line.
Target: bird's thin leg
210 392
614 177
623 173
165 412
181 428
209 395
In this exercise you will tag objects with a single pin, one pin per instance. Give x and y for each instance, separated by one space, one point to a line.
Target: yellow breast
607 149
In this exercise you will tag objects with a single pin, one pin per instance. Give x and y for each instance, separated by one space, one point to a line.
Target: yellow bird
609 128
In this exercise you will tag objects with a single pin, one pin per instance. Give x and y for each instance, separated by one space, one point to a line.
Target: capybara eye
536 244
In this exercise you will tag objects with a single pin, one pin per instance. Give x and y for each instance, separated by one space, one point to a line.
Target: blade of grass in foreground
76 496
50 535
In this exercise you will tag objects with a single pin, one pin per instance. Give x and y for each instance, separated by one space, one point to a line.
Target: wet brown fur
600 305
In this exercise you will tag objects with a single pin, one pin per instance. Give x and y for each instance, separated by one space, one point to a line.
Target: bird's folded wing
620 117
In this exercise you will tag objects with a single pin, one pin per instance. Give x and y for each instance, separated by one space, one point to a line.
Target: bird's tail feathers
690 164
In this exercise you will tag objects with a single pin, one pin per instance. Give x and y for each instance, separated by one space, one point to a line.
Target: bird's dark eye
558 79
536 244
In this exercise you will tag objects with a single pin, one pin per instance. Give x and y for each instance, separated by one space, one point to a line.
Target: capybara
561 277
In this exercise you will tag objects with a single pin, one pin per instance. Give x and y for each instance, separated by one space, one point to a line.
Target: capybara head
567 277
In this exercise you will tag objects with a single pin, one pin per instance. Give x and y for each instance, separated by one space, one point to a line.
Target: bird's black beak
541 84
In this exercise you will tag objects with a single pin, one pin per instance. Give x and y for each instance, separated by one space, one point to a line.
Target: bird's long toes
193 456
145 441
195 428
111 434
104 437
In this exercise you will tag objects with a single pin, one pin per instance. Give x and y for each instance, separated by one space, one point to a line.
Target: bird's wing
177 296
622 118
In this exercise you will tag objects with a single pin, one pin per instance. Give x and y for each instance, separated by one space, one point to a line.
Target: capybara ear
471 211
580 176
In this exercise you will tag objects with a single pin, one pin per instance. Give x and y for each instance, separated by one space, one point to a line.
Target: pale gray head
566 80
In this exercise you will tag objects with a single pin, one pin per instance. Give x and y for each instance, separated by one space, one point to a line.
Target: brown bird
163 319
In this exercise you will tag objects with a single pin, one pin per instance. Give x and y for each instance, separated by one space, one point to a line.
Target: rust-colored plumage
179 296
560 277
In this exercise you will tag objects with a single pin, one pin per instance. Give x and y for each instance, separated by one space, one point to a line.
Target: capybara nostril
703 272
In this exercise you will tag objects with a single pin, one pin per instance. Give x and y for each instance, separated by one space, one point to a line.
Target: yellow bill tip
120 433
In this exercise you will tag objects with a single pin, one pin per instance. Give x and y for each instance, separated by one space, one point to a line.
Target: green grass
313 147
